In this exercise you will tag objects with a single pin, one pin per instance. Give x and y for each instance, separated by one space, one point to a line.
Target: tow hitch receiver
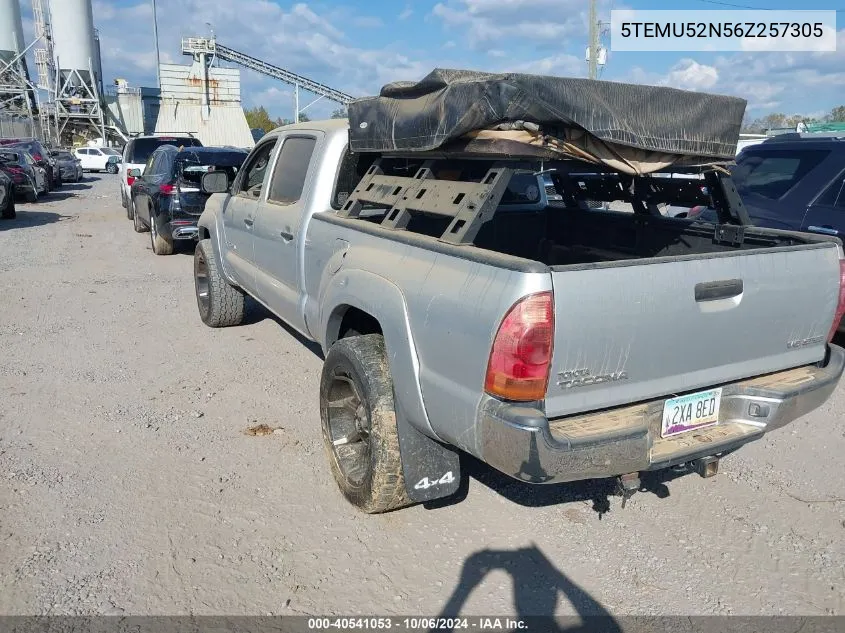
627 485
706 466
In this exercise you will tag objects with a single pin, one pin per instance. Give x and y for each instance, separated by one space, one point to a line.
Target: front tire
112 169
161 245
359 424
32 196
220 304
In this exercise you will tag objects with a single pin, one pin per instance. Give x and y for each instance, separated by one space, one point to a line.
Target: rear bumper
521 442
181 231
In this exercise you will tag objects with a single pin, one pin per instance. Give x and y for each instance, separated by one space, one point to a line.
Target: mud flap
432 470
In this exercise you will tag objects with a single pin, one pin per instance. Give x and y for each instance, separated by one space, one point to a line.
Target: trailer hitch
627 485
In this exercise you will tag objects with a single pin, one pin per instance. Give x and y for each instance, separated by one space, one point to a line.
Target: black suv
41 157
794 182
167 199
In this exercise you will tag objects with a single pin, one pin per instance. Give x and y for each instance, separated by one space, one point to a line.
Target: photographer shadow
537 586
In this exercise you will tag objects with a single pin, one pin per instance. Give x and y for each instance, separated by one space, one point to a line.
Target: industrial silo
72 22
11 28
80 106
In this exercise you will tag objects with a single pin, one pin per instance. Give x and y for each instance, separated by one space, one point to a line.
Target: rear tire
358 416
9 213
220 304
112 169
130 209
161 245
32 196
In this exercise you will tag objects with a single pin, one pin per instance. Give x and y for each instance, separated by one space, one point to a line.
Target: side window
291 169
253 173
834 195
83 151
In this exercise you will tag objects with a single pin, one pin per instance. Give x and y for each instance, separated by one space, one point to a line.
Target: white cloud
688 74
407 13
488 23
557 65
785 81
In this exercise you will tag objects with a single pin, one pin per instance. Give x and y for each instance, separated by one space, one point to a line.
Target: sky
357 47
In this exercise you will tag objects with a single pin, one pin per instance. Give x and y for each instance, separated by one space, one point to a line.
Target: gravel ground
129 485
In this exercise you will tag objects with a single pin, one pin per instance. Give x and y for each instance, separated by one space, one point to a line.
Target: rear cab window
773 173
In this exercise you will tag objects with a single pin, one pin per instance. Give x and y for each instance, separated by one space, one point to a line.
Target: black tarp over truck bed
647 125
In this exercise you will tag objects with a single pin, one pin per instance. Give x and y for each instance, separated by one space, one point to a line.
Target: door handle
249 222
286 236
715 290
826 229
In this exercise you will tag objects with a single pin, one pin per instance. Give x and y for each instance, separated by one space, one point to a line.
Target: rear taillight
840 306
37 157
519 363
166 190
15 170
130 180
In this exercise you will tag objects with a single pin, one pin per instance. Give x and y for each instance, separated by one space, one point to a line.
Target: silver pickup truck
459 312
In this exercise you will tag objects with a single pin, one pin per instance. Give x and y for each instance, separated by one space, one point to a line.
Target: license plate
693 411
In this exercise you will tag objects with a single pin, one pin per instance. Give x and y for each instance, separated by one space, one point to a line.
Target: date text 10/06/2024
418 624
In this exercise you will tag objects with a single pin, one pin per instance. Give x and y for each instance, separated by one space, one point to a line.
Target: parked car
69 165
7 197
791 181
166 200
99 159
41 157
538 341
30 179
137 152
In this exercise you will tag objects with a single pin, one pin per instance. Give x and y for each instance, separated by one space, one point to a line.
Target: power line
745 6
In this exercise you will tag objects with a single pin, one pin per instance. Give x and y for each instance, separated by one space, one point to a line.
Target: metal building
204 101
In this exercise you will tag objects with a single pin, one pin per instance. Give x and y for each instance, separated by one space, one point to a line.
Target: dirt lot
128 483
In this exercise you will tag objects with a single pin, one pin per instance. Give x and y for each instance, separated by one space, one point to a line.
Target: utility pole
593 48
155 34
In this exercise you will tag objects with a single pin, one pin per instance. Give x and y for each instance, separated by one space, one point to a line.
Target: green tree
259 118
837 115
340 113
303 117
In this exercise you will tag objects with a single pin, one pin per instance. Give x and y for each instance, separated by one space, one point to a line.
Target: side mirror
134 173
214 182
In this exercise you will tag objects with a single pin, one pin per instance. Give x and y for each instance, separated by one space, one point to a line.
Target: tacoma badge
804 342
583 377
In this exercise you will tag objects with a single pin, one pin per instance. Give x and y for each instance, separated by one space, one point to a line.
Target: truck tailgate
639 329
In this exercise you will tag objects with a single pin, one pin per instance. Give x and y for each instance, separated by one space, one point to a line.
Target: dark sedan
30 180
7 197
70 167
167 200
